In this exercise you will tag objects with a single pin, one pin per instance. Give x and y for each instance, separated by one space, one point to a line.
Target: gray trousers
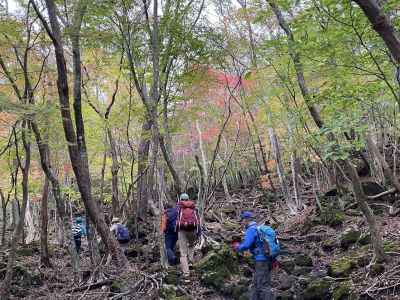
261 289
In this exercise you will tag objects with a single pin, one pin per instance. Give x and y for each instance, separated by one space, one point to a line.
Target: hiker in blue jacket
168 227
261 289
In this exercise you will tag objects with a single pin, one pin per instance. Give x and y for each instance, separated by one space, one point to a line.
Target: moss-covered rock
329 245
288 265
302 271
349 238
390 246
285 295
172 276
342 291
217 267
236 291
331 217
377 269
365 239
116 286
169 292
24 278
303 260
318 290
341 267
26 251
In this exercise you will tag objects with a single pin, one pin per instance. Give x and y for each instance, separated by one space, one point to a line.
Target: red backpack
188 219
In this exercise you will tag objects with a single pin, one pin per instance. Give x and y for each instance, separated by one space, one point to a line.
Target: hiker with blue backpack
121 233
261 241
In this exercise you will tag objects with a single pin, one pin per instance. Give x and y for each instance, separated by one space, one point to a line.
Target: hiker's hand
235 246
275 265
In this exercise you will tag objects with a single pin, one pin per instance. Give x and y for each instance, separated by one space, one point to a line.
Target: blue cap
78 220
184 196
246 215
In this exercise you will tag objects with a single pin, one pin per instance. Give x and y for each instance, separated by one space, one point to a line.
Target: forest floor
325 255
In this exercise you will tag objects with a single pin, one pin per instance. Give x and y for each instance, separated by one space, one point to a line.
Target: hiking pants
170 242
78 241
261 289
186 240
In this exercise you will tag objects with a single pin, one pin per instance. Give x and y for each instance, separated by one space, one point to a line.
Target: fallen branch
391 191
91 286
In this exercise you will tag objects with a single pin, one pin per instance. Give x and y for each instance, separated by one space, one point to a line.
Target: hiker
261 288
189 228
121 233
78 230
168 227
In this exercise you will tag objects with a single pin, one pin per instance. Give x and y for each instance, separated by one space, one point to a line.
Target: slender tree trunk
44 247
360 197
385 166
6 284
143 161
359 194
75 140
382 25
4 217
114 172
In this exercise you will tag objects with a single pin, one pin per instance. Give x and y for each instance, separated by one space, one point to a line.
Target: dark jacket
252 243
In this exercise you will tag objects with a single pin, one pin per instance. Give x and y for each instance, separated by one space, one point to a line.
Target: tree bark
44 247
6 284
389 175
359 194
382 25
143 161
4 203
75 141
114 173
360 197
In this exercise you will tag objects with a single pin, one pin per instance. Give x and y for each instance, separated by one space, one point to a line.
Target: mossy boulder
365 239
303 260
26 251
216 268
24 278
285 295
170 292
377 269
172 276
116 286
318 290
341 267
331 217
349 238
236 291
302 271
288 265
329 245
342 291
390 246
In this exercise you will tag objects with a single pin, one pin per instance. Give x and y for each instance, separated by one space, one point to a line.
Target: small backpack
270 242
168 220
122 233
188 219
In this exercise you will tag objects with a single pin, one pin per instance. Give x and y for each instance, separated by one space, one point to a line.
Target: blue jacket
252 243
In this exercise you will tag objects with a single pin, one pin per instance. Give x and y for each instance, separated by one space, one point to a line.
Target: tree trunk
143 161
44 248
280 170
369 216
382 25
6 284
75 140
4 218
385 166
114 172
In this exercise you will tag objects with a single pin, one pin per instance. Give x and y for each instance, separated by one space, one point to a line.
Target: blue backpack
122 233
270 242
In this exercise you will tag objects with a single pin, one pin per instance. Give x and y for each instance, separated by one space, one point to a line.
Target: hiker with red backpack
189 228
261 241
